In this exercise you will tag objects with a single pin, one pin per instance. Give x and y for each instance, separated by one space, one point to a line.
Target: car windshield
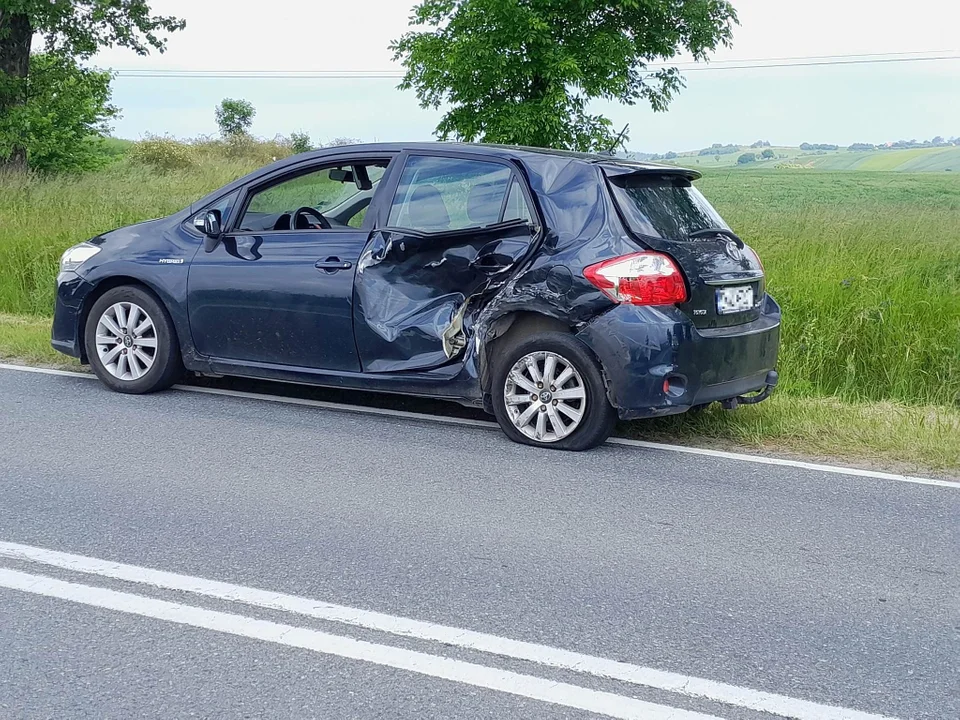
668 208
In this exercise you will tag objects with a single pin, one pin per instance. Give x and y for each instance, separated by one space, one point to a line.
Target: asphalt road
825 589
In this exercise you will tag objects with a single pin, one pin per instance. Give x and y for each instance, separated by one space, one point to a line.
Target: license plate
734 299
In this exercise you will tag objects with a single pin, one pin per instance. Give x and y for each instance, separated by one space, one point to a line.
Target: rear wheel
131 342
548 392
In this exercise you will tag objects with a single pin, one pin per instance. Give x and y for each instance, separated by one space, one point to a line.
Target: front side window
333 197
439 194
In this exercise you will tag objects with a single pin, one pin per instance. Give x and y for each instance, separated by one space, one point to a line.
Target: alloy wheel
126 341
545 396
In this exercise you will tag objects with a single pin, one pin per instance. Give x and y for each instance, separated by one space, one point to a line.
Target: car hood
125 236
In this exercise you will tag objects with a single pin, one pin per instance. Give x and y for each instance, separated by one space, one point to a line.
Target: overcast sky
841 104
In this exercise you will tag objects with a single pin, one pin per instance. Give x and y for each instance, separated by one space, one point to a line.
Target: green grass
40 218
116 147
912 160
27 339
867 269
903 160
892 436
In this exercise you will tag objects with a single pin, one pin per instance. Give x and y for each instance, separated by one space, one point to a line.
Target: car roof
530 156
502 151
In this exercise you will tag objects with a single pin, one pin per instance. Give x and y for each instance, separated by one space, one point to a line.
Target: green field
943 159
865 265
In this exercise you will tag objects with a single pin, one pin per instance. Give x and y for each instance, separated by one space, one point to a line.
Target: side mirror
211 223
211 228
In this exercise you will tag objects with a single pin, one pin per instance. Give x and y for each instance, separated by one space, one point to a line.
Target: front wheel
548 392
131 342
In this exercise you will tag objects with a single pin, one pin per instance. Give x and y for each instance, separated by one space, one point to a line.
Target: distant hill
927 159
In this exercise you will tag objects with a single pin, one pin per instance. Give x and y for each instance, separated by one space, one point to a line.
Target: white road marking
467 422
46 371
529 686
785 462
734 695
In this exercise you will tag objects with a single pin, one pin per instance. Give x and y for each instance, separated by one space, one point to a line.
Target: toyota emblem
733 251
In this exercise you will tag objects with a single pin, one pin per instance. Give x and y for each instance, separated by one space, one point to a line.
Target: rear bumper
640 348
66 335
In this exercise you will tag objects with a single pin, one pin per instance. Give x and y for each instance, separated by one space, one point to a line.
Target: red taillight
644 278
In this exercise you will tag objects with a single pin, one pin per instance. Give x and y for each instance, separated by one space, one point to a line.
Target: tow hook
772 379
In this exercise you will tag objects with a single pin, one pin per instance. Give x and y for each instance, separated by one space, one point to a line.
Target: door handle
332 265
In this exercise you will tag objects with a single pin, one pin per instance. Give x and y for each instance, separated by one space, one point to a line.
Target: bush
162 153
341 141
768 154
261 152
746 158
244 149
300 143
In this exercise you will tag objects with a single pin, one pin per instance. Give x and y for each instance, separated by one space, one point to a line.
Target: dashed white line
677 683
467 422
529 686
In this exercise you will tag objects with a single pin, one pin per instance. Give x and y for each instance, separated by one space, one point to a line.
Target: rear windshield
668 208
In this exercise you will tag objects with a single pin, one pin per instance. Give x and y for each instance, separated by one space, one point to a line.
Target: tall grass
867 269
866 266
41 217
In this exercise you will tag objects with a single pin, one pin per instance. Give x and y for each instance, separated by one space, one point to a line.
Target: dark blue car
558 291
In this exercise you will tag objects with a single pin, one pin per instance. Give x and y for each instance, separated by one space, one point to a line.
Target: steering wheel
323 223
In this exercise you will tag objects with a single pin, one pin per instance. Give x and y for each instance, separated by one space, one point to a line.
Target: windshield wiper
709 232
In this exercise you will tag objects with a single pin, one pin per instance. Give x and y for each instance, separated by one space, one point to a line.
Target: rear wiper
709 232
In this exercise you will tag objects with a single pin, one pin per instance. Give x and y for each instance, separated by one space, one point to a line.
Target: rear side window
438 194
517 208
668 208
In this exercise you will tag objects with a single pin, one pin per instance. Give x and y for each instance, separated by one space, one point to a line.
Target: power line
827 63
757 64
840 56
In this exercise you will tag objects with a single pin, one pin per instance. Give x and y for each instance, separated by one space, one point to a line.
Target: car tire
581 391
139 359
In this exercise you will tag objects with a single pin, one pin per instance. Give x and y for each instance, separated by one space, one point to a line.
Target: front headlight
76 256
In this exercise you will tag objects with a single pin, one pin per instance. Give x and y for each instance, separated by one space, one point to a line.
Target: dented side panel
422 300
414 292
580 227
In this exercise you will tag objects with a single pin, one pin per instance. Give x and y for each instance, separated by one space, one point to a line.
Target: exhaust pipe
771 382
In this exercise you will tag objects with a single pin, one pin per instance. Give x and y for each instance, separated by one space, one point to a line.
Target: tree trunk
16 36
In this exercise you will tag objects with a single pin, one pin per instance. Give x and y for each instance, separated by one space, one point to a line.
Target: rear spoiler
617 169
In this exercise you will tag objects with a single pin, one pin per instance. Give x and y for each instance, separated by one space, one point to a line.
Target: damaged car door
451 237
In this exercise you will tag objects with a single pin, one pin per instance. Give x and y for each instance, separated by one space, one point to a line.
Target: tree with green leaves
63 117
525 72
70 30
234 117
300 142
